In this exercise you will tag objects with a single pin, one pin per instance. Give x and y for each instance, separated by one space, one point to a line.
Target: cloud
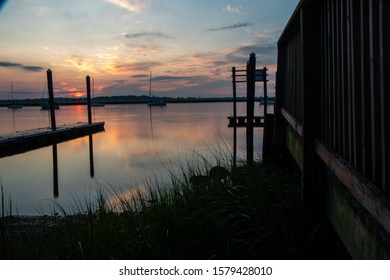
143 34
232 9
231 27
173 78
80 64
171 83
134 6
7 64
33 68
265 54
123 68
140 76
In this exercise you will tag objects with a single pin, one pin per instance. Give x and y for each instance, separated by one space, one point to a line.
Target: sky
189 46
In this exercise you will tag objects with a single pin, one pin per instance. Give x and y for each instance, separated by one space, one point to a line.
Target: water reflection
138 143
55 172
91 162
55 165
151 121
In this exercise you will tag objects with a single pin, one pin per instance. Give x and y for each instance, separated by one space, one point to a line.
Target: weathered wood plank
362 236
292 121
369 195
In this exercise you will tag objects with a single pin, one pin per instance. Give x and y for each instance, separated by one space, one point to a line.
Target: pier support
51 99
251 76
250 106
88 81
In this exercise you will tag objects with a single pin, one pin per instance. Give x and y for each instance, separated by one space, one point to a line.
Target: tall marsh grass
208 210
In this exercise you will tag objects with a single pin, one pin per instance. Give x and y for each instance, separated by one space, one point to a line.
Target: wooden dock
27 140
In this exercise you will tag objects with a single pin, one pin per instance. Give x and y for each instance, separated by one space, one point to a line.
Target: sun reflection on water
137 144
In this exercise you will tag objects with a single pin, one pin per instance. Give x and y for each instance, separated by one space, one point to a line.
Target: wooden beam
369 195
292 121
250 102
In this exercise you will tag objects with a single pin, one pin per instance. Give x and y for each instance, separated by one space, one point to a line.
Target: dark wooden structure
250 76
332 110
242 121
23 141
28 140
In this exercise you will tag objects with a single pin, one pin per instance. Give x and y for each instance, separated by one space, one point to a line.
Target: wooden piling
51 99
234 116
250 103
234 92
265 91
88 81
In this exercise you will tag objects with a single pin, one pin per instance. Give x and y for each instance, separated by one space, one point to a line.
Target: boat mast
150 84
44 89
11 93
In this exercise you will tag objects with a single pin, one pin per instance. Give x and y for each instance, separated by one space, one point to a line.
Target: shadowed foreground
246 213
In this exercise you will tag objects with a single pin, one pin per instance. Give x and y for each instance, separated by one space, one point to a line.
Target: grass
245 212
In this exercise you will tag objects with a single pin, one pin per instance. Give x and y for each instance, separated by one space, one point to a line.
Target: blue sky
189 45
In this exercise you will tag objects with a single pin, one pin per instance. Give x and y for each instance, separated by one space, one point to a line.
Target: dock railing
332 109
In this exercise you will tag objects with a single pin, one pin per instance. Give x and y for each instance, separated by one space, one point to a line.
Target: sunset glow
189 45
78 94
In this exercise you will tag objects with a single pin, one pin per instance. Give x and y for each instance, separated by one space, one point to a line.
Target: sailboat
154 101
13 105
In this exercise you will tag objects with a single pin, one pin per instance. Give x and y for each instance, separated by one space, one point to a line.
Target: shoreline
125 100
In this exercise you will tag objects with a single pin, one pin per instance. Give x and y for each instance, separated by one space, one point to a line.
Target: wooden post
88 80
250 103
234 92
234 116
51 99
265 92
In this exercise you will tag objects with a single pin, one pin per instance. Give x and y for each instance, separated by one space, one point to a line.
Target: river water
139 144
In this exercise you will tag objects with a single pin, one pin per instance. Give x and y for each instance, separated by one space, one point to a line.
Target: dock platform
241 121
27 140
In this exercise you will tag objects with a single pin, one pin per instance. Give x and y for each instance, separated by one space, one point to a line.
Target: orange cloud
80 64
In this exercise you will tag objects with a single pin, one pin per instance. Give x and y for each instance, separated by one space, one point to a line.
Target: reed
231 213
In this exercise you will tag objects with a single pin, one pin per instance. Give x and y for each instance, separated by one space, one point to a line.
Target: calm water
138 143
